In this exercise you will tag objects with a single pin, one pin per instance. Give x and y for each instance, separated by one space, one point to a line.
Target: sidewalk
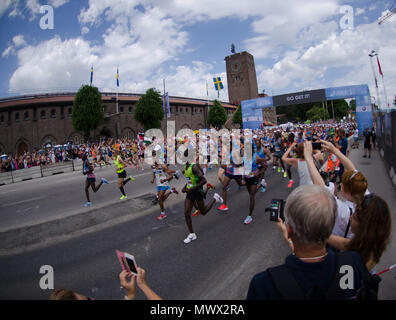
380 183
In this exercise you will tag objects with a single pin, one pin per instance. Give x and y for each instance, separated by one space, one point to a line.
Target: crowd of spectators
103 150
325 230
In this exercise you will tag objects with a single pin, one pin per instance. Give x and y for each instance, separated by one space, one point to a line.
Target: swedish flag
91 75
218 84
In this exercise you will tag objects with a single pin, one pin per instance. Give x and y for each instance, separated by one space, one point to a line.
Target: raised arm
313 172
329 147
286 159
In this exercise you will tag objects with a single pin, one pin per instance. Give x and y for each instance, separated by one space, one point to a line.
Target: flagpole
165 109
117 92
375 79
383 83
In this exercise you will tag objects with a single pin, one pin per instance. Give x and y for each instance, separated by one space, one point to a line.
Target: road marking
22 201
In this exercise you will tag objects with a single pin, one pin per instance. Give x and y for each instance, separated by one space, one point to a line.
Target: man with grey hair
310 272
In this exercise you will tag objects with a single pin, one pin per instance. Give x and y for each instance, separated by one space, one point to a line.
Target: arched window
16 116
53 113
26 116
42 114
1 119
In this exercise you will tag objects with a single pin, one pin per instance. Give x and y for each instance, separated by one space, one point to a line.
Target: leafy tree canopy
149 111
217 115
87 112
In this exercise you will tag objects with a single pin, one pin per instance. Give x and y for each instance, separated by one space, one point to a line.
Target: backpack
289 289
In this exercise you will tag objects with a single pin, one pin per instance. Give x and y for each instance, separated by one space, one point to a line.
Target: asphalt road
218 265
39 200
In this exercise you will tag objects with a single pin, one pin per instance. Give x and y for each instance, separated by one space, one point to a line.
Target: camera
276 210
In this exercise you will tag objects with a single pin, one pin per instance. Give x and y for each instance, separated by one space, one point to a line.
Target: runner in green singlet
195 193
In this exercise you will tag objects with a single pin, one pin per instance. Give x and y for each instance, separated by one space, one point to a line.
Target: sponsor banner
346 92
364 117
252 115
299 97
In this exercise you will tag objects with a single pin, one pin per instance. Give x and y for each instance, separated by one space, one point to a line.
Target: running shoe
177 174
161 216
155 201
190 237
88 204
263 189
228 188
217 197
132 178
279 169
196 213
174 190
104 181
223 208
123 197
290 183
210 186
274 168
284 175
248 220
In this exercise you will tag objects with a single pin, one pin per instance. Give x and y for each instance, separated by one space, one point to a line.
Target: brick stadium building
31 122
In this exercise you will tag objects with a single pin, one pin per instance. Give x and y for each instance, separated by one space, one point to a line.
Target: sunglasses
353 175
366 201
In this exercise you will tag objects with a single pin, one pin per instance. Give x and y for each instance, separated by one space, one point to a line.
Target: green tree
237 117
87 112
149 111
341 108
352 105
217 115
317 113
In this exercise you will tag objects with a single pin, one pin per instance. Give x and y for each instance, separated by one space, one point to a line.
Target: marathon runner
252 179
195 193
162 175
88 170
120 169
230 175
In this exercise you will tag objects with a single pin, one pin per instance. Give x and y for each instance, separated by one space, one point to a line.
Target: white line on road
19 202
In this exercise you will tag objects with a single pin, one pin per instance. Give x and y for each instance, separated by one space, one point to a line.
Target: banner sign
299 97
346 92
252 115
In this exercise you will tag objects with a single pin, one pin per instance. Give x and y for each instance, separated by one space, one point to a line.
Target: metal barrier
37 172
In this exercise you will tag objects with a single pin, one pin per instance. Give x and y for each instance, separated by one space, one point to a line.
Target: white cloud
84 30
58 68
4 6
19 41
347 51
359 11
32 7
303 38
57 3
7 52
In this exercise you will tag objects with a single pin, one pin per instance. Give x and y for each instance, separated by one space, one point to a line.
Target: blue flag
168 113
218 84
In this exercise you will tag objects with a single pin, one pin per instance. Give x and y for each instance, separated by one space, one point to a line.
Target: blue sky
296 44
